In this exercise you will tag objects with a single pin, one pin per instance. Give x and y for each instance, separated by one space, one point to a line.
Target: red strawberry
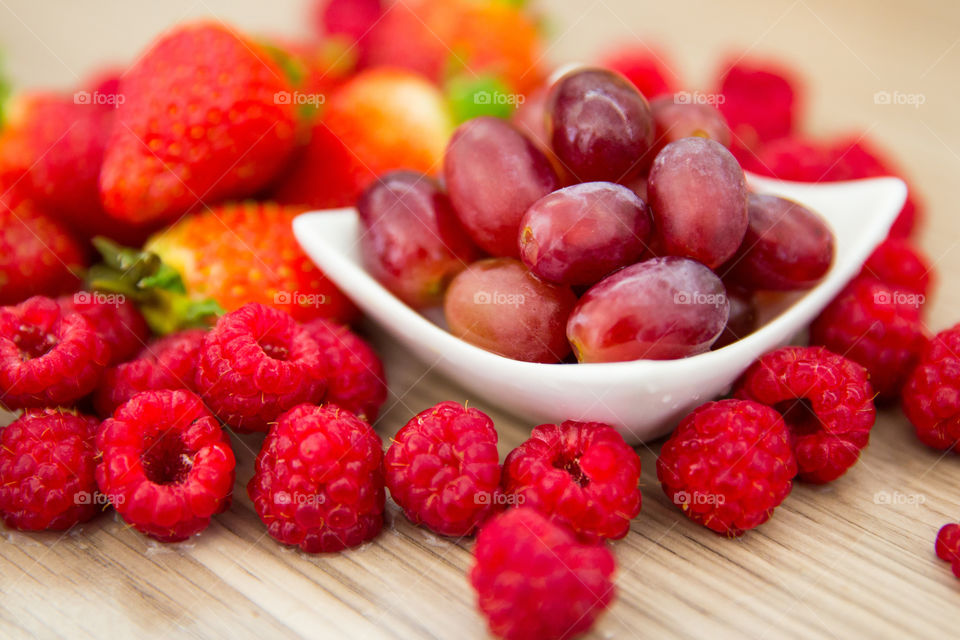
206 115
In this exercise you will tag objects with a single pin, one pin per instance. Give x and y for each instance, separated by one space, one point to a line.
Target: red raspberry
760 101
581 474
534 580
256 363
357 381
948 543
167 464
47 358
728 465
47 461
931 395
443 469
826 401
899 264
877 326
643 67
319 480
167 363
116 319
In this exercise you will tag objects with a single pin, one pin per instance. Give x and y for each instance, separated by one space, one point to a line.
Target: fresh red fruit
699 198
356 379
931 395
728 465
167 465
826 401
535 580
47 462
256 363
646 68
877 326
742 320
167 363
114 317
443 469
579 474
351 19
498 305
760 101
319 480
659 309
948 542
900 264
255 258
677 116
493 174
579 234
413 242
599 125
47 357
200 122
786 247
38 255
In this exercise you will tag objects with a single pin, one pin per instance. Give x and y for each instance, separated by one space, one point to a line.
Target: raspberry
256 363
931 395
874 325
728 465
826 401
47 357
760 101
167 363
535 580
581 474
643 67
444 471
899 264
357 381
319 480
948 543
167 464
47 461
117 320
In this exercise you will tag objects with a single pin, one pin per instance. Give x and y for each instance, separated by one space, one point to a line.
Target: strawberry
255 258
206 116
38 255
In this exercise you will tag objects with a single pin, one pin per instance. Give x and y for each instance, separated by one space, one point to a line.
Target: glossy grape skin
599 125
743 317
699 198
786 247
579 234
412 242
498 305
660 309
493 173
674 119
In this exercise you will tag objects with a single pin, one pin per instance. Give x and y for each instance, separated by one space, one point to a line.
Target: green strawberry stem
155 287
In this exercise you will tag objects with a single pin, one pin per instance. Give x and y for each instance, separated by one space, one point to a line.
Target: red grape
660 309
581 233
493 173
412 241
599 125
699 199
673 120
498 305
786 247
743 317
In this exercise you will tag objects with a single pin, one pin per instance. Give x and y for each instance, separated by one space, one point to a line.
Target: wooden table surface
852 559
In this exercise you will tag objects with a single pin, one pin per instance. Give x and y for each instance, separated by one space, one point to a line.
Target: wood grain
853 559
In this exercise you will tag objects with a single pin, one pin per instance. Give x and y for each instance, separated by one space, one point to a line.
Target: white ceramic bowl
644 399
